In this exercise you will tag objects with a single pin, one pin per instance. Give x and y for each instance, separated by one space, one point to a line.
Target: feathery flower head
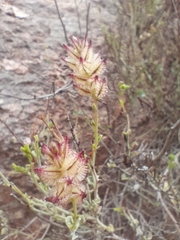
87 68
64 172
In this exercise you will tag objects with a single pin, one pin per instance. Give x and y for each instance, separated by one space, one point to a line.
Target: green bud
100 137
123 86
94 107
171 161
94 147
171 157
171 164
93 123
50 124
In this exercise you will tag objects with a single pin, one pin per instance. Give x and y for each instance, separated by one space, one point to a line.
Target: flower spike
86 66
64 172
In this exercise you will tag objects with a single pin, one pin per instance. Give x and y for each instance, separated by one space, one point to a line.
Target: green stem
128 132
95 179
74 209
40 188
16 189
33 202
94 148
76 217
95 144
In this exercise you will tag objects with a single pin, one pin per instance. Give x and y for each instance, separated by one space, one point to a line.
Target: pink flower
64 171
87 68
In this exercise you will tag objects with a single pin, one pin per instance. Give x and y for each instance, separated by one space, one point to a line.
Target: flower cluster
64 171
87 68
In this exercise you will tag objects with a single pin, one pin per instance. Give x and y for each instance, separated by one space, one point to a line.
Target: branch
67 86
20 142
168 140
78 16
87 19
60 18
159 197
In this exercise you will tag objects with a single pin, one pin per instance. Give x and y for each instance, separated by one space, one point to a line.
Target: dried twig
10 130
74 136
45 232
159 196
60 18
59 90
168 140
78 16
87 19
175 8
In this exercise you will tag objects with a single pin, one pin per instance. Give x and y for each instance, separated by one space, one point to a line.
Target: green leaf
72 224
171 157
93 123
27 152
69 221
171 161
90 180
20 169
94 107
94 146
37 149
100 137
4 230
117 209
123 86
124 177
111 165
50 124
171 164
36 138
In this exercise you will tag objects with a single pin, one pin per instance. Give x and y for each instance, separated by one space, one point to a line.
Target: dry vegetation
144 45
